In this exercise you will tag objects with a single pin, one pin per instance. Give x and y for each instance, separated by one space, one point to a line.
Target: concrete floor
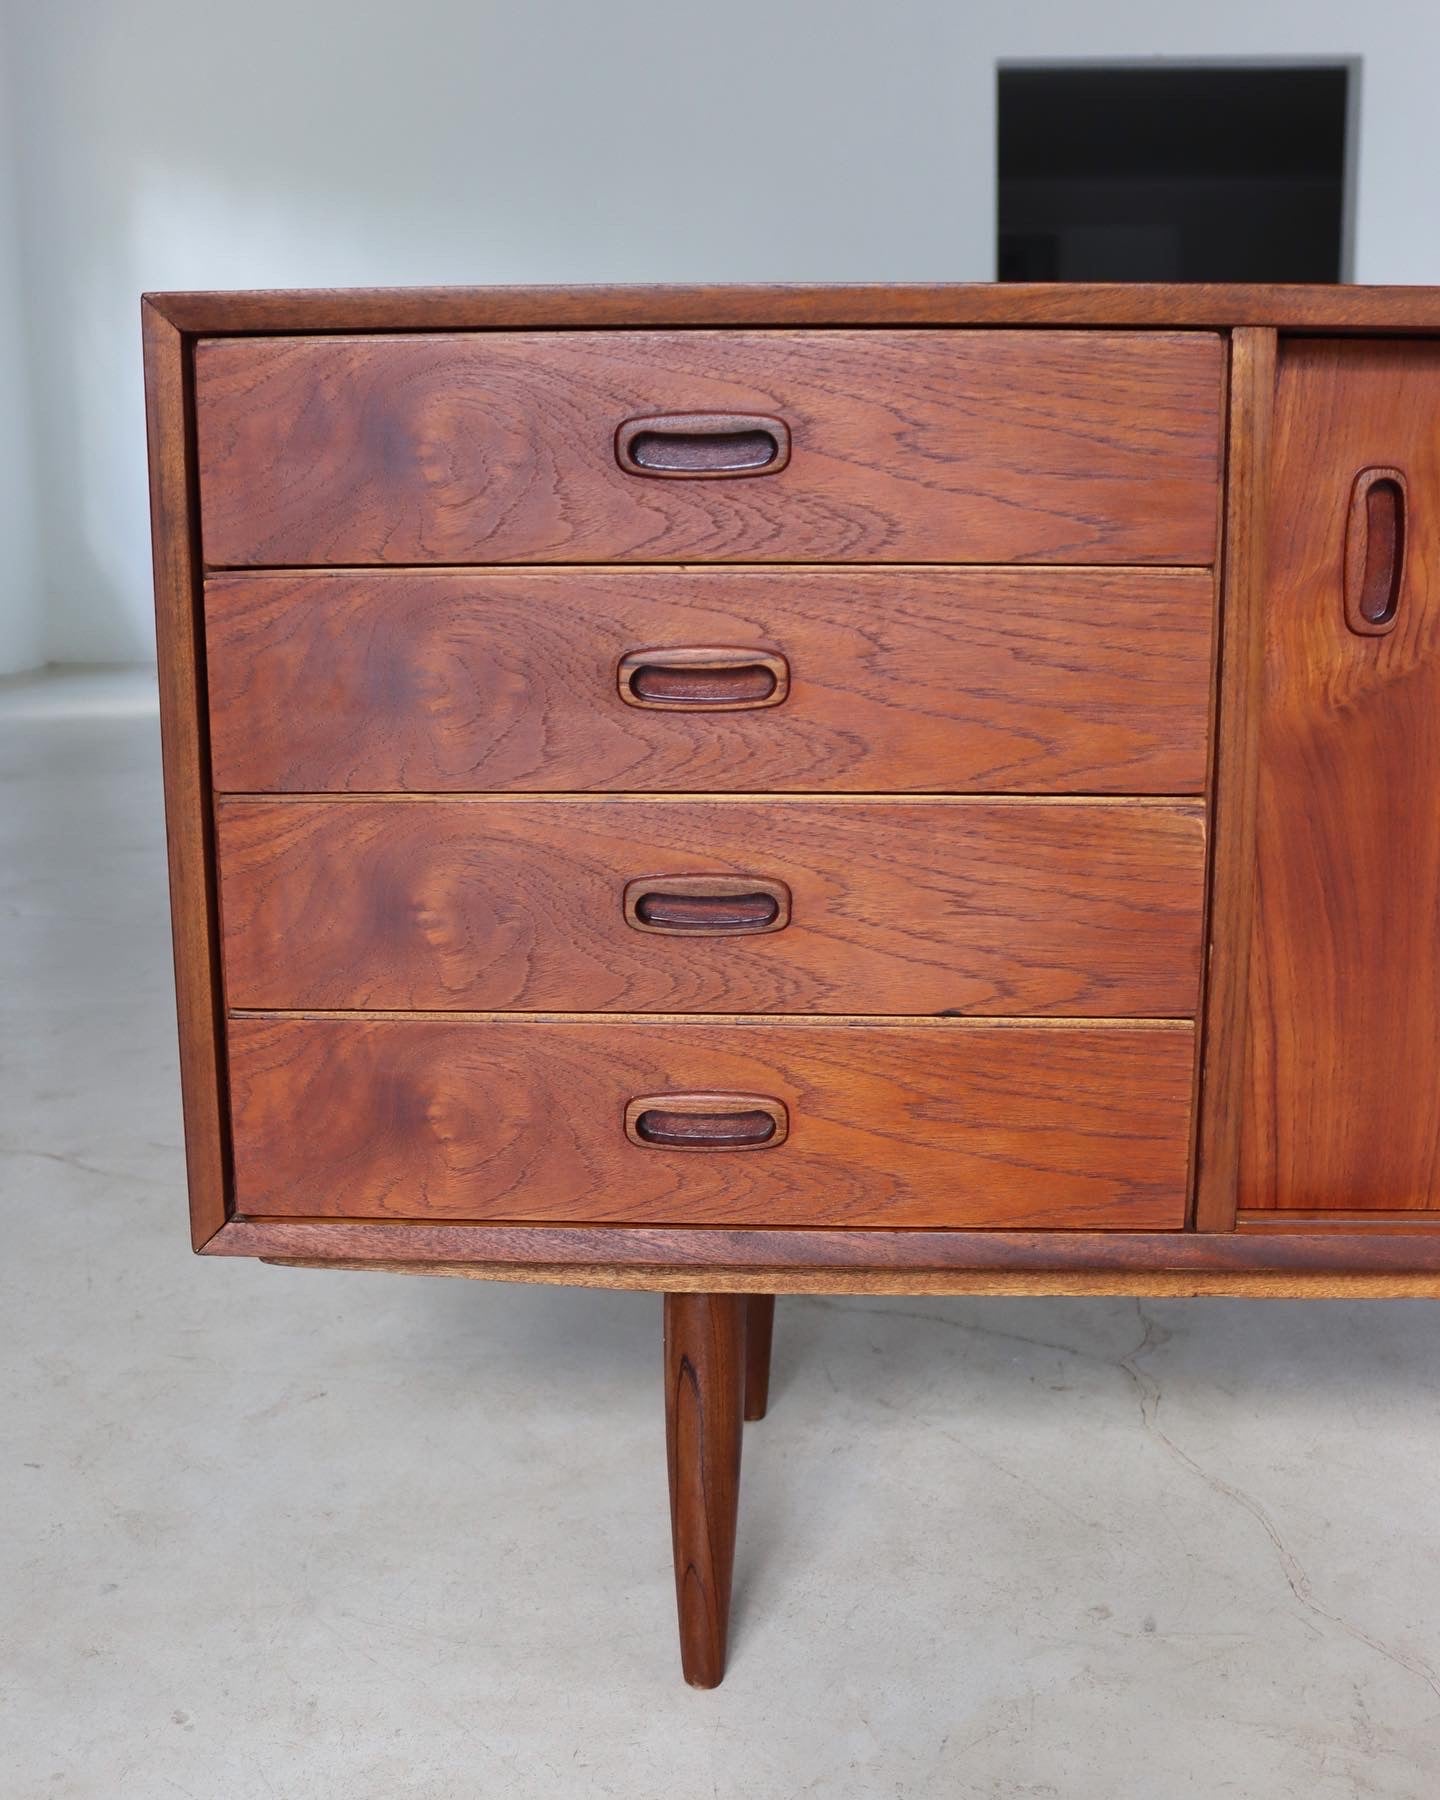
272 1533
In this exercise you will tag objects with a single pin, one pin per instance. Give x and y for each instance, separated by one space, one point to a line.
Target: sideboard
745 791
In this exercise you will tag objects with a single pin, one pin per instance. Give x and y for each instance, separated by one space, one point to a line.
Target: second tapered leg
759 1331
704 1385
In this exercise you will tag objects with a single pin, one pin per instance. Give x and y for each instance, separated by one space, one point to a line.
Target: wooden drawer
946 1123
891 446
1079 680
846 906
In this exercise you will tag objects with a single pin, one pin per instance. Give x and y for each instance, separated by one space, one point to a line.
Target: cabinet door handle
707 905
1375 534
703 446
703 679
706 1122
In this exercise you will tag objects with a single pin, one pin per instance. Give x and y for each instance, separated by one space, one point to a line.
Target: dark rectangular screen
1172 174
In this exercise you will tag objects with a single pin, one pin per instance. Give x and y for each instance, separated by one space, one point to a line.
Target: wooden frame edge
1237 742
840 1261
185 757
1180 307
1074 1284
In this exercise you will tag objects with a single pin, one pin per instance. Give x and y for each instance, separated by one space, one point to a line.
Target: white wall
22 633
182 143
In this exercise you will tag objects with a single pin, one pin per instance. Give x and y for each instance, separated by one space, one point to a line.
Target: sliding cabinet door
1342 1075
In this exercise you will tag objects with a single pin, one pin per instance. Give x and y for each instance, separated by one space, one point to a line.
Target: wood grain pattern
1341 1107
996 907
907 447
1232 875
184 755
1021 680
1160 305
704 1380
946 1124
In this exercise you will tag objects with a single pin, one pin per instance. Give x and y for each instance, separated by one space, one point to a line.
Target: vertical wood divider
1232 873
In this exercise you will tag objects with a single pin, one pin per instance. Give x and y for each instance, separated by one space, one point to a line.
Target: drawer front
891 446
945 1124
938 680
846 906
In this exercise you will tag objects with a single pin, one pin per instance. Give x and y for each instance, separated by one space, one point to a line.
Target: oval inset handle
703 446
703 679
706 1122
707 905
1375 535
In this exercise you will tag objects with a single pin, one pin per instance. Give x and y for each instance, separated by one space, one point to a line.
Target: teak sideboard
743 791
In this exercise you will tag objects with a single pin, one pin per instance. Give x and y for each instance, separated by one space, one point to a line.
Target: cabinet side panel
1342 1111
186 771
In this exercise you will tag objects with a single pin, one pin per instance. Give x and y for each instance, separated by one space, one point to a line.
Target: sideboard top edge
1158 306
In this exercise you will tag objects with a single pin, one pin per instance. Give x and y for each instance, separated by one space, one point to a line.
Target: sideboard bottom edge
1076 1283
1309 1262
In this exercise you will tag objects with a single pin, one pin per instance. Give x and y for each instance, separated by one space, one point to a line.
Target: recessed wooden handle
706 1122
705 678
707 905
1375 550
703 446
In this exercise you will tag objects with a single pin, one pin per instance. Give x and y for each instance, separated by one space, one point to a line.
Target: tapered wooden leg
759 1330
704 1383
